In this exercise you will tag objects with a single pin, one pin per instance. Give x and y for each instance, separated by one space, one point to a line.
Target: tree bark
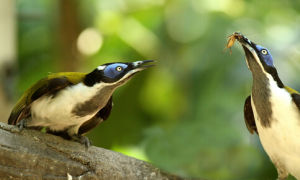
69 30
31 154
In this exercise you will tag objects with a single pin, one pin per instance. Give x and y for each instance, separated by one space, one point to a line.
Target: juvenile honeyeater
272 110
70 104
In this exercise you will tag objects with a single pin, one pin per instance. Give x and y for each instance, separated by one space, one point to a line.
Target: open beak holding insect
231 40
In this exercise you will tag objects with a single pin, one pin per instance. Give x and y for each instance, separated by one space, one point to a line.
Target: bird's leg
74 137
22 124
81 139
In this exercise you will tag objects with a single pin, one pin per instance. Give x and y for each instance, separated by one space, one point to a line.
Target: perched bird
272 110
70 104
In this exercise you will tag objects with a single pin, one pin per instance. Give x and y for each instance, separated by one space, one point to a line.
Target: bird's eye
264 52
119 68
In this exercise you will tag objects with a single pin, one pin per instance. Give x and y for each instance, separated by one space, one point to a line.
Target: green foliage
184 115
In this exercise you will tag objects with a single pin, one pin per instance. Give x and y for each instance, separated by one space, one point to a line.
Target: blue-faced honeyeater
70 104
272 110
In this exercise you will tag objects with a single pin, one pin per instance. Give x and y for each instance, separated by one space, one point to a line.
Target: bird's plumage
249 116
272 110
281 139
248 111
70 104
46 86
101 115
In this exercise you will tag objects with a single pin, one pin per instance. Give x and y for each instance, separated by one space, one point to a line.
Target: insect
231 40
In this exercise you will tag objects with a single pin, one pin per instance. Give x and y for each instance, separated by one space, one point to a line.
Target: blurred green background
185 115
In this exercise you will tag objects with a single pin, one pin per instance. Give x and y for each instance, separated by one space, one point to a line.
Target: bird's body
64 112
281 139
72 103
272 110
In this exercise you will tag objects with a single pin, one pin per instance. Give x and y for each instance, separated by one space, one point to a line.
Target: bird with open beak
272 110
70 104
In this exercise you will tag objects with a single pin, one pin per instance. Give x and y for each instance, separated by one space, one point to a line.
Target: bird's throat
95 103
261 98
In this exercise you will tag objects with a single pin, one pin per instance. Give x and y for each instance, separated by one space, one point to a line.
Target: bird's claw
22 124
82 140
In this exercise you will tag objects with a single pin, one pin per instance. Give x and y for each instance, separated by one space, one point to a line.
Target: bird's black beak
136 67
249 47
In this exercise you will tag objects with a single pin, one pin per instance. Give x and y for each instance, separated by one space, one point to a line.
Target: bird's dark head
115 73
259 59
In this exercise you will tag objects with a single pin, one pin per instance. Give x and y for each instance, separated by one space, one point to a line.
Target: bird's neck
100 94
261 94
263 77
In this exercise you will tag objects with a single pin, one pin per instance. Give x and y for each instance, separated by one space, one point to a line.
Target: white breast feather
55 113
282 140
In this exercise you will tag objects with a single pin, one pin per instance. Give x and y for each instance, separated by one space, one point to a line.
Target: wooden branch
30 154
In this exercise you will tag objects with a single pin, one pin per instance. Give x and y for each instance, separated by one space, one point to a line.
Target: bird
69 104
272 110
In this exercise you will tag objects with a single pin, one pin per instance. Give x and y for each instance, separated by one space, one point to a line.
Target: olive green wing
46 86
249 116
291 90
295 96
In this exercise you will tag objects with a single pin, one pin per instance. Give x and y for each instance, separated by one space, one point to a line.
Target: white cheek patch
130 73
127 75
101 67
247 63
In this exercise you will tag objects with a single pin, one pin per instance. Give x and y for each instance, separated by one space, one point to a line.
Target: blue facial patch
114 70
265 55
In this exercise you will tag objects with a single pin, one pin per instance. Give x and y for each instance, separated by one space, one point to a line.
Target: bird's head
259 59
115 74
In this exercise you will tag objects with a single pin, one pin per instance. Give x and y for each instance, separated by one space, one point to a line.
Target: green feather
74 77
40 88
290 90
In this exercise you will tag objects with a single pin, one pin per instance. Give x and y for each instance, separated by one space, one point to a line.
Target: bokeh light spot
89 41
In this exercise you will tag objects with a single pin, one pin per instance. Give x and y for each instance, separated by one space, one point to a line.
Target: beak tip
142 65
